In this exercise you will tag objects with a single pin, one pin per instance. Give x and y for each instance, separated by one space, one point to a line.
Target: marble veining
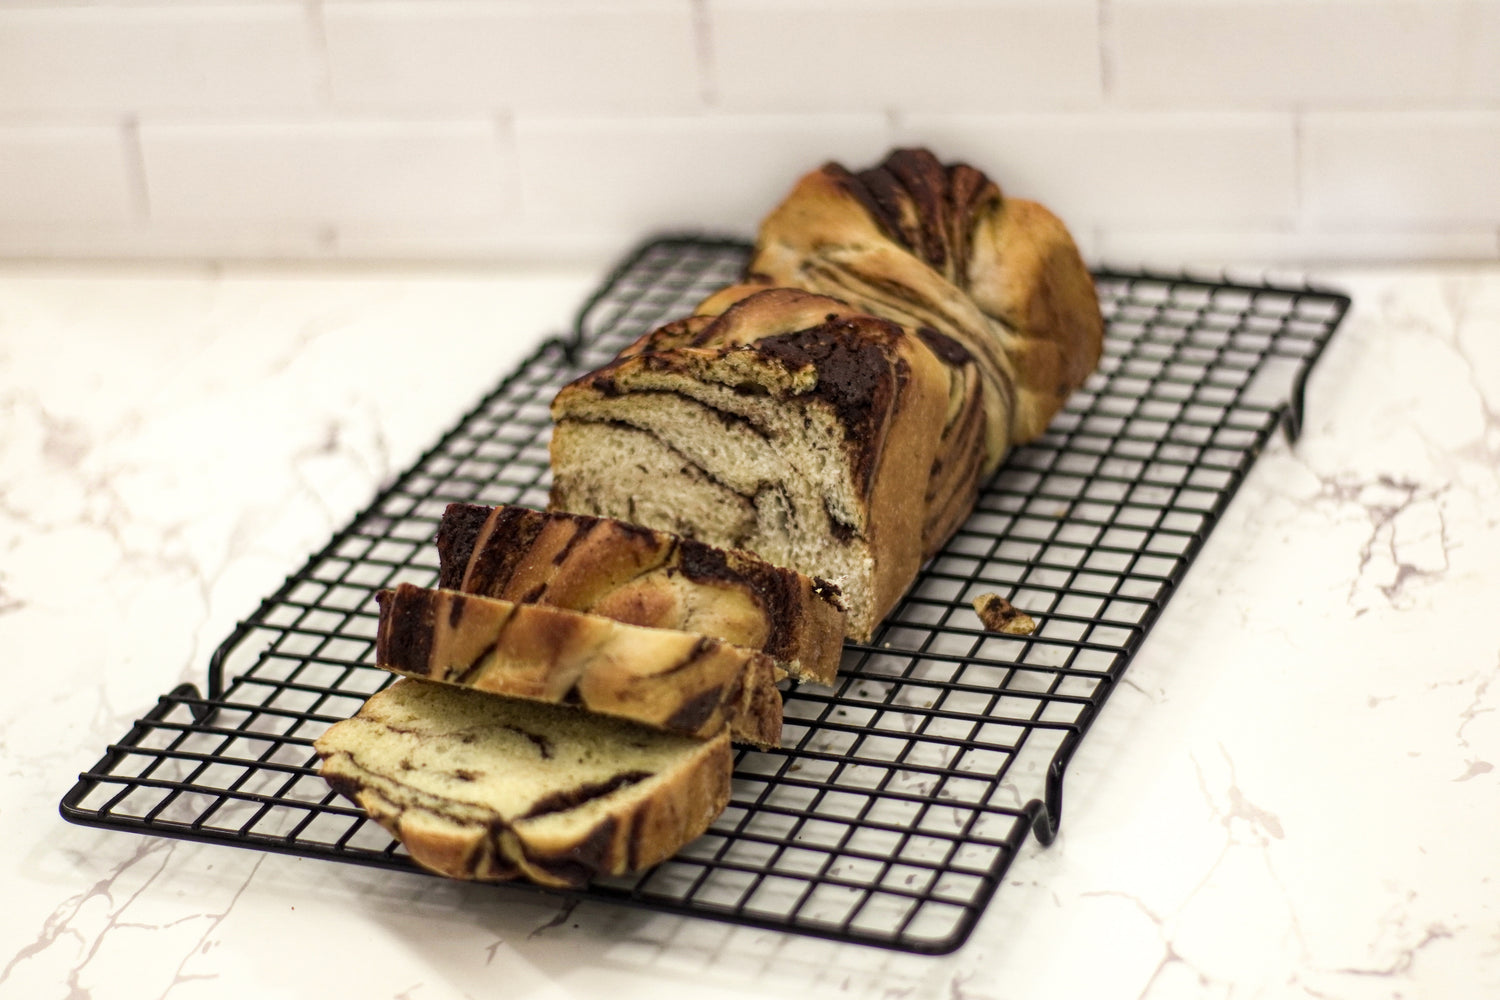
1293 793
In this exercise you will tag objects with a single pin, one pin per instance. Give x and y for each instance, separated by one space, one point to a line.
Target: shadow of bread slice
690 684
644 577
492 789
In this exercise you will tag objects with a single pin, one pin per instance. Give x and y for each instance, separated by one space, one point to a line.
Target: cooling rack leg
202 711
1042 822
1295 412
1046 815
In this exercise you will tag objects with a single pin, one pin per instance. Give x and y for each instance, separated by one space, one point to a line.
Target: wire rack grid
898 798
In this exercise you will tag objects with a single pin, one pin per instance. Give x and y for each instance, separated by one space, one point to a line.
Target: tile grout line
703 49
1105 24
317 34
134 155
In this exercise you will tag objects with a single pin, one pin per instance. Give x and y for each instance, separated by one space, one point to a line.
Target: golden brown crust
563 830
929 244
668 679
1027 273
643 577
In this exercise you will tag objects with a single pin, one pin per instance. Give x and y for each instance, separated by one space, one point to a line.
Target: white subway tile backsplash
1108 169
513 243
562 56
327 173
719 173
870 55
65 176
1405 168
1479 58
132 59
498 129
1181 248
82 241
1292 53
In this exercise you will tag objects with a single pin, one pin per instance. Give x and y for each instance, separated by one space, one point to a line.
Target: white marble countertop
1292 795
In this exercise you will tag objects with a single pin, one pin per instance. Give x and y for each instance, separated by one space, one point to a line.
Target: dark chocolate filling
945 347
699 650
542 744
457 534
842 531
404 639
697 710
581 862
513 530
858 375
467 674
572 798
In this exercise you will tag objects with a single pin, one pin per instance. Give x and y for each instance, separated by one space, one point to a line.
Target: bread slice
643 577
689 684
481 787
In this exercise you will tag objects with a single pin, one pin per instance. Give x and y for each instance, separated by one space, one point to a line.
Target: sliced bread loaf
686 683
643 577
481 787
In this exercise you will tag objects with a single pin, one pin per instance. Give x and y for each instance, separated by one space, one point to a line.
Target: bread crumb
999 615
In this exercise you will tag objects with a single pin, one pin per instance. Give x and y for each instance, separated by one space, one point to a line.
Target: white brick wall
1295 54
1420 168
63 175
626 56
1102 169
1179 132
423 174
904 55
706 171
61 59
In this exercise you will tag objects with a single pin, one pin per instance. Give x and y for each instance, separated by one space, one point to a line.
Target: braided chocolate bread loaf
898 330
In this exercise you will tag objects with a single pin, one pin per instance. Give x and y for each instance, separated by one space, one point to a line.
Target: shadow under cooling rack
898 797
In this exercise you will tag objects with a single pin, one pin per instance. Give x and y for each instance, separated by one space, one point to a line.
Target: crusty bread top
788 345
643 577
939 246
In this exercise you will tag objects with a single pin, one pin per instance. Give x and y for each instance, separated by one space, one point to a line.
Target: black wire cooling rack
899 797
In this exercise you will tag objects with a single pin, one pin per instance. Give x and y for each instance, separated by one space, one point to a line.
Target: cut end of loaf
813 446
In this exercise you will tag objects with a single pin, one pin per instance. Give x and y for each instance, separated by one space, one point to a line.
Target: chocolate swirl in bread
939 247
838 417
679 681
487 788
643 577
